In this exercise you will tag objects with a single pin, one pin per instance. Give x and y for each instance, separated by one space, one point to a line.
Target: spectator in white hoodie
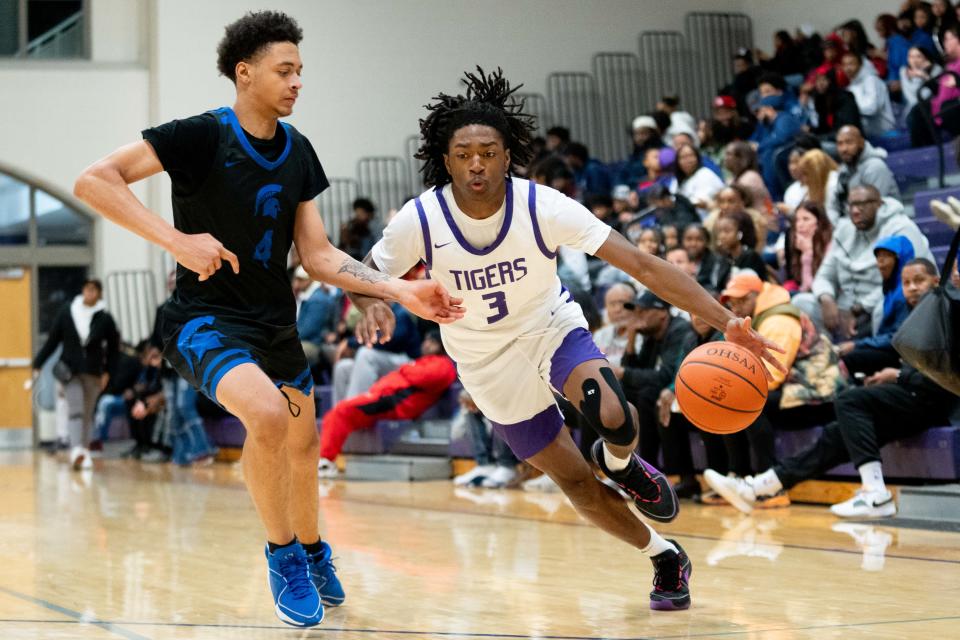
872 96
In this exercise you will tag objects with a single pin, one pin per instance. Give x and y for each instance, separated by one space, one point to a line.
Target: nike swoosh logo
440 246
230 164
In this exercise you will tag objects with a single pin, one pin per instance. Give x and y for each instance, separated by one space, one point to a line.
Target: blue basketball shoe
324 576
296 598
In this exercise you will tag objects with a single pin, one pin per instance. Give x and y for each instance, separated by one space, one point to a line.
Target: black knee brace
590 408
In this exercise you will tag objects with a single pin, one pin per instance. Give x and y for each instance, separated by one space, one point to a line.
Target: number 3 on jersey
498 302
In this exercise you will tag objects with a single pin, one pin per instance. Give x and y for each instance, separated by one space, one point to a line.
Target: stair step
397 468
938 503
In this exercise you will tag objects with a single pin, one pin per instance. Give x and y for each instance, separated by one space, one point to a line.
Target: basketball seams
716 366
713 402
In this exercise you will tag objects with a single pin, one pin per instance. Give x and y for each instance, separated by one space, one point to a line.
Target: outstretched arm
682 291
104 186
324 262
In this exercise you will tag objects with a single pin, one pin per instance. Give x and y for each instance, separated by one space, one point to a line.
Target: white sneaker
327 469
737 491
867 504
541 484
499 478
474 476
80 459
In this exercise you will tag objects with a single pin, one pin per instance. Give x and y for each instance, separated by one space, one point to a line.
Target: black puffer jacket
99 355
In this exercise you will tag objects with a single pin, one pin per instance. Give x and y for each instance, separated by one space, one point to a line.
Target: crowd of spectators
779 201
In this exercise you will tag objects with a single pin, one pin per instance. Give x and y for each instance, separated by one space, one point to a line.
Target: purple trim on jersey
425 228
577 347
528 438
532 205
508 216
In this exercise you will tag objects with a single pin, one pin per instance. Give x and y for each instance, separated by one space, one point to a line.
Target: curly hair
246 37
488 101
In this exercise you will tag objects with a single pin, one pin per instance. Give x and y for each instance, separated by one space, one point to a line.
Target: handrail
52 33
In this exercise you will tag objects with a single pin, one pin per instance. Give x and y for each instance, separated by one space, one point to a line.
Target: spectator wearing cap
774 318
646 135
727 124
647 373
775 131
944 107
590 176
848 286
871 94
860 163
626 203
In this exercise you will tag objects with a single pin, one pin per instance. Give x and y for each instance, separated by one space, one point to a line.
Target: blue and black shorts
203 349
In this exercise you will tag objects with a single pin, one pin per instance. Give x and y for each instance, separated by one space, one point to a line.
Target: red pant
403 394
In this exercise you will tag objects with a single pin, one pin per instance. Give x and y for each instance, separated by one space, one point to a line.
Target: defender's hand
376 318
430 300
739 332
203 254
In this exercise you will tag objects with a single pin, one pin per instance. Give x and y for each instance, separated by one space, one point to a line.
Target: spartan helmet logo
268 202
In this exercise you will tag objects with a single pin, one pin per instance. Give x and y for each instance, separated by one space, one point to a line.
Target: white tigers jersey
504 267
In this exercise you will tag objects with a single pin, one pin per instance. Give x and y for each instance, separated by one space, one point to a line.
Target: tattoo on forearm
362 272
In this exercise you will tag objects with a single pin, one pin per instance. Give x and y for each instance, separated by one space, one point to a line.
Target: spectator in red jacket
403 394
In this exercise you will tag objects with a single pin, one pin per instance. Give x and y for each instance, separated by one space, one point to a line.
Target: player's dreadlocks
488 101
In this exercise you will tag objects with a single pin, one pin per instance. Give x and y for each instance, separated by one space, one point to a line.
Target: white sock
613 462
766 483
657 544
871 475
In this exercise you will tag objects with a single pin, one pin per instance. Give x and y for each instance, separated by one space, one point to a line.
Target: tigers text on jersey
504 267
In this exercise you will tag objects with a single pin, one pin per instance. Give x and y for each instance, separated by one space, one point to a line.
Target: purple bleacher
324 396
922 162
931 455
225 431
378 440
936 232
385 433
893 141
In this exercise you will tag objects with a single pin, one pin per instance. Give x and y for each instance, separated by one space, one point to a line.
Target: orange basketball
721 387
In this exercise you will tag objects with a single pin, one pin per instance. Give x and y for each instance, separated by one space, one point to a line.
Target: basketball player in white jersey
492 239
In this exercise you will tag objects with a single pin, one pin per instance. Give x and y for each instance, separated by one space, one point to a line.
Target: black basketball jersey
248 202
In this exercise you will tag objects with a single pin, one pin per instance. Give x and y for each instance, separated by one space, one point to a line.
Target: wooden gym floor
139 552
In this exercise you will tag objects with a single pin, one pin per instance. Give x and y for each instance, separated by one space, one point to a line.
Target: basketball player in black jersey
244 186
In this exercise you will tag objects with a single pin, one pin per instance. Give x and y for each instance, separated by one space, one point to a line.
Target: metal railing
131 298
63 40
573 98
713 38
535 104
411 145
621 90
666 64
336 205
385 180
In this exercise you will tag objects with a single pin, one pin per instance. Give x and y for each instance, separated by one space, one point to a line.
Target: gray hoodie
873 99
870 169
849 272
